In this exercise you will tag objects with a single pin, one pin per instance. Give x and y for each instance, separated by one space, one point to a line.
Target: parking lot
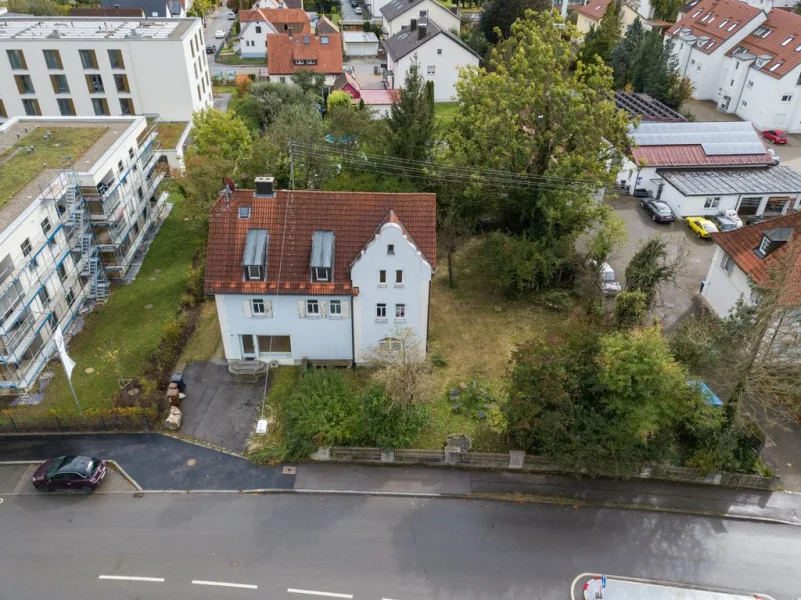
676 300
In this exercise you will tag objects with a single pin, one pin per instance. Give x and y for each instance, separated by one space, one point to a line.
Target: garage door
749 206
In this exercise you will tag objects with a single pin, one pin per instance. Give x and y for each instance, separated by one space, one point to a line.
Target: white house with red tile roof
750 255
589 15
253 33
760 76
704 36
319 275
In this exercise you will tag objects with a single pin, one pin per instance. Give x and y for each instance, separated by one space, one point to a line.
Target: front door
248 347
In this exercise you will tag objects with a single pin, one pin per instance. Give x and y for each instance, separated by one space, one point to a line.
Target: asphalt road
366 548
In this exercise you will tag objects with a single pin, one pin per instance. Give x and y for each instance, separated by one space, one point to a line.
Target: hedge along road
262 546
155 461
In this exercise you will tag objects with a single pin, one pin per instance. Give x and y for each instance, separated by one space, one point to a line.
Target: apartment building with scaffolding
103 66
77 200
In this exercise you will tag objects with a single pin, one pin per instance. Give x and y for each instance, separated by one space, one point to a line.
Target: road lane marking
127 578
246 586
313 593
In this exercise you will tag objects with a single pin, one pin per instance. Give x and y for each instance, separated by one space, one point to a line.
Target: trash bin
179 380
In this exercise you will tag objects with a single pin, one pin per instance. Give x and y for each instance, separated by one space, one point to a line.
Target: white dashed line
246 586
313 593
127 578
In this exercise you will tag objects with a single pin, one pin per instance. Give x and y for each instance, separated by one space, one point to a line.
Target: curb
196 442
112 463
688 586
124 473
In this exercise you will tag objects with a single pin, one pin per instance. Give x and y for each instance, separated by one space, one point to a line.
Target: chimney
421 31
264 186
413 26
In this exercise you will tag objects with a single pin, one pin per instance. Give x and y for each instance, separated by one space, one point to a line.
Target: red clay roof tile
692 156
741 243
706 18
594 10
291 218
785 26
283 50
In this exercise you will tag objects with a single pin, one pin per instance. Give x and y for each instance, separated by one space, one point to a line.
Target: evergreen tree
503 13
601 40
411 119
622 59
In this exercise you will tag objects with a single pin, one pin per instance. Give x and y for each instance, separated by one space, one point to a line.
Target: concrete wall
722 290
413 293
163 76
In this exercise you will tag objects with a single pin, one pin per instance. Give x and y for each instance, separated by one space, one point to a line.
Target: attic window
776 66
698 12
254 258
723 24
709 45
788 40
732 26
773 239
244 212
762 32
764 246
324 40
306 40
322 256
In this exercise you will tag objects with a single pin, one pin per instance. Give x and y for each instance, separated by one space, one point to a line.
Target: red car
775 136
76 473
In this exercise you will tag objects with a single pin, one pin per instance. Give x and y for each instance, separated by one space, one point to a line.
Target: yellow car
701 226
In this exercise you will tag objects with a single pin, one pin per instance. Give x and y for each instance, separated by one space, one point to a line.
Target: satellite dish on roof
229 184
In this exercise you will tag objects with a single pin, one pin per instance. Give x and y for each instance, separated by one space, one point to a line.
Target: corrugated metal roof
771 180
255 254
675 134
322 253
355 37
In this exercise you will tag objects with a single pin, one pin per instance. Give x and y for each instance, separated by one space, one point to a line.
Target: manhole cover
289 470
191 462
89 370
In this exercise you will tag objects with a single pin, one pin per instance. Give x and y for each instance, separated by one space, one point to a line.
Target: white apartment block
70 228
89 66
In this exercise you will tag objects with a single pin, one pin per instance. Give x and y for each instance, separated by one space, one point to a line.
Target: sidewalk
649 495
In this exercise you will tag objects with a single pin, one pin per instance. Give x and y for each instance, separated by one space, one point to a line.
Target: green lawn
170 132
234 59
224 89
445 110
206 338
119 336
65 147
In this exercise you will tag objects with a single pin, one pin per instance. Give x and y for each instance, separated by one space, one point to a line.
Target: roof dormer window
244 212
254 259
322 256
772 239
788 40
776 66
732 26
723 24
762 32
698 12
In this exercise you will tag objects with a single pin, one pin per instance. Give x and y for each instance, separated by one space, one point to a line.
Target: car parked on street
701 226
775 136
659 211
219 34
231 15
211 49
69 473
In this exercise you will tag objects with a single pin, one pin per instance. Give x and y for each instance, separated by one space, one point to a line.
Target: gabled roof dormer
772 239
254 259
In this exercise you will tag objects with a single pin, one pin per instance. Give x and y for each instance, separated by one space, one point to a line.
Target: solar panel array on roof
720 148
716 138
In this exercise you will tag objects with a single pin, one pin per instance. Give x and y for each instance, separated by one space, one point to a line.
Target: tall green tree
309 81
601 40
652 266
224 132
411 119
501 14
656 71
622 59
667 10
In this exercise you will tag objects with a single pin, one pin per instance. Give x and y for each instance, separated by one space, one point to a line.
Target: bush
387 424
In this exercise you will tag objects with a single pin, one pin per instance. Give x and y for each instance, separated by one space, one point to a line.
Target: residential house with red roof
755 254
703 168
589 15
705 35
319 275
288 54
379 101
253 33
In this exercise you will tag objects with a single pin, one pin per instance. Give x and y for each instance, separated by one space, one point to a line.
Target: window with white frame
335 308
381 311
244 212
390 345
399 277
764 246
712 202
727 264
257 306
382 277
254 273
390 249
400 312
320 274
312 308
787 98
431 69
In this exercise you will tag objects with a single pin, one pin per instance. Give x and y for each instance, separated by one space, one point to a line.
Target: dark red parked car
775 136
76 473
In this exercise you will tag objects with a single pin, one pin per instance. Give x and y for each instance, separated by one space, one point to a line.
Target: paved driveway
676 300
217 408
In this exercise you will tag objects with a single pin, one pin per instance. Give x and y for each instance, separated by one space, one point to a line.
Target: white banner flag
69 364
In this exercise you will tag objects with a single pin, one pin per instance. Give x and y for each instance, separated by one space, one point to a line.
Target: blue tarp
709 396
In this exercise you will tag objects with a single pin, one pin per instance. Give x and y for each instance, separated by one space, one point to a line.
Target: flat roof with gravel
34 150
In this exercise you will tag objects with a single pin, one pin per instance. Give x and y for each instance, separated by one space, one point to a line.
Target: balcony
18 339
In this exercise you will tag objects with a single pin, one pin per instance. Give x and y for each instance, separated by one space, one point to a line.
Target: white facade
111 66
298 333
61 249
745 204
725 284
755 96
702 69
433 10
253 38
375 6
440 59
359 43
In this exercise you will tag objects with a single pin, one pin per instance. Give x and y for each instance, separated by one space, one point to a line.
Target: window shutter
246 307
268 308
302 308
323 308
345 309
